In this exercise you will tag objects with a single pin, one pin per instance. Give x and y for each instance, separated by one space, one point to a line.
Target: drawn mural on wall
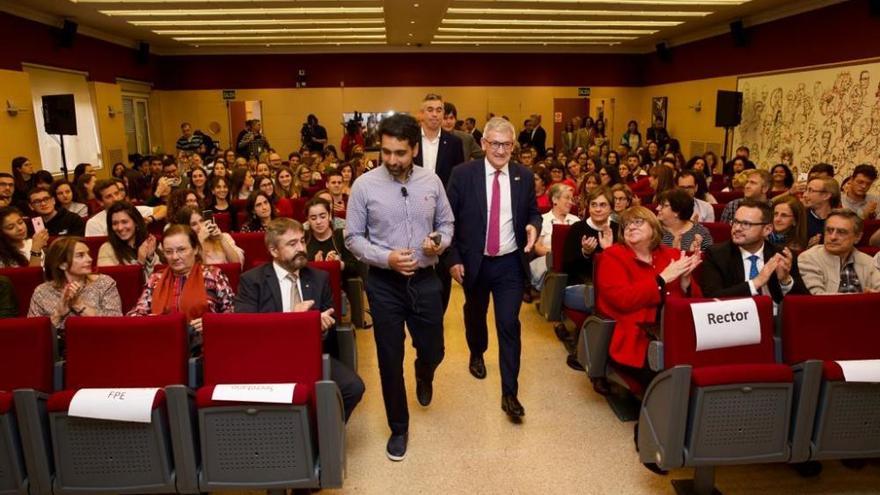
829 115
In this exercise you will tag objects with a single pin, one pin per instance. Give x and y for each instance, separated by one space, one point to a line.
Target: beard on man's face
298 261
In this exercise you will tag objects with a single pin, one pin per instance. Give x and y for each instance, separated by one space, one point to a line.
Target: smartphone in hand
38 224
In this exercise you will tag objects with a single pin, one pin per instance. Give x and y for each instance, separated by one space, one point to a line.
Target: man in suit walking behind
497 199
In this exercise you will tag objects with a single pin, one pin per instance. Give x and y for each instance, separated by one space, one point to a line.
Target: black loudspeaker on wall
664 52
59 115
874 6
143 53
728 109
738 31
67 33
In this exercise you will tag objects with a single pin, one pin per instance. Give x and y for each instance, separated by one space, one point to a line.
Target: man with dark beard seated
287 284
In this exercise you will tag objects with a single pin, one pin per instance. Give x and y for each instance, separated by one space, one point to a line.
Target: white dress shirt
507 238
285 285
747 265
705 212
430 148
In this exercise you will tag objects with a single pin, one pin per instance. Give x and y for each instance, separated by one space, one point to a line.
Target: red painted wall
23 40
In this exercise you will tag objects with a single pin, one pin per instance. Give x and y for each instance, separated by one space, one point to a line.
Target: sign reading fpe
115 404
720 324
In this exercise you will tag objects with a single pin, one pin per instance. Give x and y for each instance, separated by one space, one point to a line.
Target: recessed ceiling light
410 35
556 22
226 12
412 22
415 5
529 42
581 13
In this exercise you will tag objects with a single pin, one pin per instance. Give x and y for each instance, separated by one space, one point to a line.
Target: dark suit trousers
502 277
415 301
350 385
445 278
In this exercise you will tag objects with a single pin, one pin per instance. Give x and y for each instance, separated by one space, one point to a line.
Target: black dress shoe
396 448
424 391
561 332
512 407
573 363
477 367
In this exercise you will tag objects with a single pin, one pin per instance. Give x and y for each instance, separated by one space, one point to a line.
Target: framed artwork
659 107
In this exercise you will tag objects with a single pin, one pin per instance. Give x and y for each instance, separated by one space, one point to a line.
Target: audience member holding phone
16 249
217 247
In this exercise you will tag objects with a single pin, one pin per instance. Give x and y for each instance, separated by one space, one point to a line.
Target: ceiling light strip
521 43
558 22
195 32
253 22
268 38
304 43
260 11
545 30
519 36
688 3
584 13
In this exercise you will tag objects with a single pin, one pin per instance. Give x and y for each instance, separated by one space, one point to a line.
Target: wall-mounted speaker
59 114
739 34
143 53
874 7
67 34
664 52
728 108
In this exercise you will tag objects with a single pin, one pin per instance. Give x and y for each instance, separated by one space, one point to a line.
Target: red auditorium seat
720 231
24 281
298 445
345 345
718 208
714 407
94 244
717 183
556 280
870 226
299 209
727 196
254 246
129 282
123 352
223 221
843 420
27 346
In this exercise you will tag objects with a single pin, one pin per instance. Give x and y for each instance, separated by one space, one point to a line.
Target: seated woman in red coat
633 280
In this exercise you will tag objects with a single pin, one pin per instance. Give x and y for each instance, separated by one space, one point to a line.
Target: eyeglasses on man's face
500 145
745 223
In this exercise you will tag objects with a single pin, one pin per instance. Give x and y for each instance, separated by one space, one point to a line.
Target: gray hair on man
278 227
498 124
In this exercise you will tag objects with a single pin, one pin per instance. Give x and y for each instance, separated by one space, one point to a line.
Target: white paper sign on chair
720 324
275 393
861 370
115 404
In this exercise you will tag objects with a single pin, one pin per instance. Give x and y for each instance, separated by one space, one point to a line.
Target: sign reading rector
228 94
732 323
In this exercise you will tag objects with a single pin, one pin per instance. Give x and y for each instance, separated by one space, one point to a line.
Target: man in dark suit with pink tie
493 201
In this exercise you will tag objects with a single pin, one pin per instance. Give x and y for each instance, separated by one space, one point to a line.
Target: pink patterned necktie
493 240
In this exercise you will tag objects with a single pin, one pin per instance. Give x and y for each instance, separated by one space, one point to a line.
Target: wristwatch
36 254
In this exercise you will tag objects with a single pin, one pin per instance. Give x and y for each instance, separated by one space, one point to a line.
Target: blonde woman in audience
64 195
216 247
71 289
562 198
16 249
128 240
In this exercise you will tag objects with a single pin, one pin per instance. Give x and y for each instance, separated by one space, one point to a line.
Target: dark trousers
396 300
503 278
350 385
442 268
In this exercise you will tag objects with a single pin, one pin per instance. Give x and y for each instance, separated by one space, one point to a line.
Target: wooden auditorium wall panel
692 128
285 110
19 133
827 115
111 130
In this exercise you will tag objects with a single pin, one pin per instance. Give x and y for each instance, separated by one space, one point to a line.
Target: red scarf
193 301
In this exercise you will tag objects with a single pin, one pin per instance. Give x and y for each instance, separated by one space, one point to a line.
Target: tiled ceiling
229 26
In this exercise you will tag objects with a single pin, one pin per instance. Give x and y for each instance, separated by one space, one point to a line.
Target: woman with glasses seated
789 224
186 285
675 210
623 199
633 280
71 289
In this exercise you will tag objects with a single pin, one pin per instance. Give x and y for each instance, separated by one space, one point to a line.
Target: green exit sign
583 91
228 94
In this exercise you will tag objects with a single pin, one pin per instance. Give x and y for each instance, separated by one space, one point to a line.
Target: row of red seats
784 399
193 443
